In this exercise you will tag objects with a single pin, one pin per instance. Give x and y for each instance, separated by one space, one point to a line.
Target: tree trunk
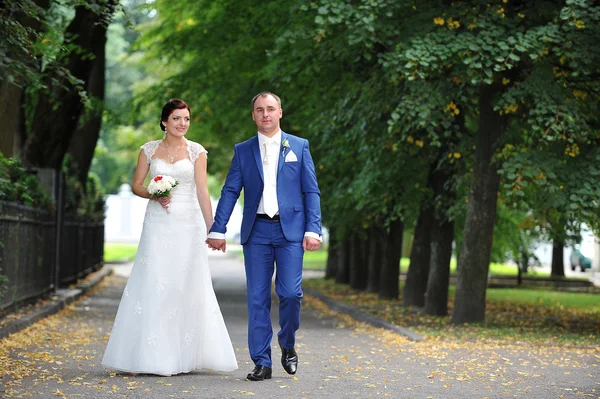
375 258
474 261
10 117
56 114
524 260
558 263
390 268
86 136
442 236
332 253
418 269
520 271
342 275
359 270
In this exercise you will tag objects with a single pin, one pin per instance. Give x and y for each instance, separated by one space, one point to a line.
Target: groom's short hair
265 94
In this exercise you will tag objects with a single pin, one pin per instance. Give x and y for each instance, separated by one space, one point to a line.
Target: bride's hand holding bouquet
160 188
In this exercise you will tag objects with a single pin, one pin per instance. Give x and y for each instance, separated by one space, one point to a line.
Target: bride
169 321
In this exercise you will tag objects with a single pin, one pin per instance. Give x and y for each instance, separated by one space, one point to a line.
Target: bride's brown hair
170 106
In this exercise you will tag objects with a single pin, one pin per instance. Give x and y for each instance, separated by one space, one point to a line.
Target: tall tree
525 65
378 86
558 263
474 261
57 109
418 269
83 142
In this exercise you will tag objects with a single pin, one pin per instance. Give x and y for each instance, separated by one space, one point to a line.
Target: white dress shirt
269 155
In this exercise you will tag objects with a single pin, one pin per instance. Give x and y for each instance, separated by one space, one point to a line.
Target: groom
282 219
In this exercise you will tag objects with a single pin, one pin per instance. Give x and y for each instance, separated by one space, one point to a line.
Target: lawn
557 300
317 260
119 252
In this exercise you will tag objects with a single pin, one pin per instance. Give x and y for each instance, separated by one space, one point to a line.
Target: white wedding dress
169 321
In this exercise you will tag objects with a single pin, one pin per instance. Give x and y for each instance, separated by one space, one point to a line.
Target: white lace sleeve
149 149
195 150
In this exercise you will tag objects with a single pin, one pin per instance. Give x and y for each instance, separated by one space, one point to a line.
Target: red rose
158 178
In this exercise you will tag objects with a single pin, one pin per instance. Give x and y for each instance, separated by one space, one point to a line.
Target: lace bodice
182 170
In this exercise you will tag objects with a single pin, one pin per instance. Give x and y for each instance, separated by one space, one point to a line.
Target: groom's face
266 114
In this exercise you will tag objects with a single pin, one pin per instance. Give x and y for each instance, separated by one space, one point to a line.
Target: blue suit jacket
298 193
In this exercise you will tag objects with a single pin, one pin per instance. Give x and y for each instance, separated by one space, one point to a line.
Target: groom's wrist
215 235
313 235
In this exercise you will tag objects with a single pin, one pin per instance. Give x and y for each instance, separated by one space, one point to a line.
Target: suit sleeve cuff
313 235
214 234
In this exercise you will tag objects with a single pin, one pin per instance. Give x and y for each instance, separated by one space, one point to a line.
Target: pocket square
291 157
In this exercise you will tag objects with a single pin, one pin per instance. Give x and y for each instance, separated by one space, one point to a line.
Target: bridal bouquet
161 186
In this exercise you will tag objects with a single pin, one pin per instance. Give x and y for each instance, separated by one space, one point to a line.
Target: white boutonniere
285 144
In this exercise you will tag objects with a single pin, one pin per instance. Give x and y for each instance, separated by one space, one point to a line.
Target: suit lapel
281 148
256 151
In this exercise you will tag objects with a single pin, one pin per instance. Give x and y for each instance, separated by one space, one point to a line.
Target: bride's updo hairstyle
168 109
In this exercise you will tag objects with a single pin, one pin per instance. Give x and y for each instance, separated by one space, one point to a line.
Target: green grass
538 296
317 260
557 300
119 252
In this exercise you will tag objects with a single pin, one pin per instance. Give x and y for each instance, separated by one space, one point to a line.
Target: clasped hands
219 244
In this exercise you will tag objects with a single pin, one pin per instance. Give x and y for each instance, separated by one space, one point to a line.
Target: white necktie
266 158
270 191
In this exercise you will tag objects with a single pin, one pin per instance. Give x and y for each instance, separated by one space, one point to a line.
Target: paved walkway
60 357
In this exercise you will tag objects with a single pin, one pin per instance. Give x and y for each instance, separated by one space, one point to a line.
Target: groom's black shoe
289 359
260 373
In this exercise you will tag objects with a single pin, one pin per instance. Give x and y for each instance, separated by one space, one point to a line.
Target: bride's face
178 122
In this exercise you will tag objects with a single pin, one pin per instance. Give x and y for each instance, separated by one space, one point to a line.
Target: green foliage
18 184
33 42
385 89
541 58
20 45
213 55
115 155
82 201
121 135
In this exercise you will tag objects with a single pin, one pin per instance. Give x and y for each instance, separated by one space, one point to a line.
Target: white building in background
125 212
595 278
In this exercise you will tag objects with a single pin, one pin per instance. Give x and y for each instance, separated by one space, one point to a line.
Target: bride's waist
183 195
184 191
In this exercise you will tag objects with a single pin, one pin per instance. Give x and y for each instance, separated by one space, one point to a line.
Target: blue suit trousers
267 246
